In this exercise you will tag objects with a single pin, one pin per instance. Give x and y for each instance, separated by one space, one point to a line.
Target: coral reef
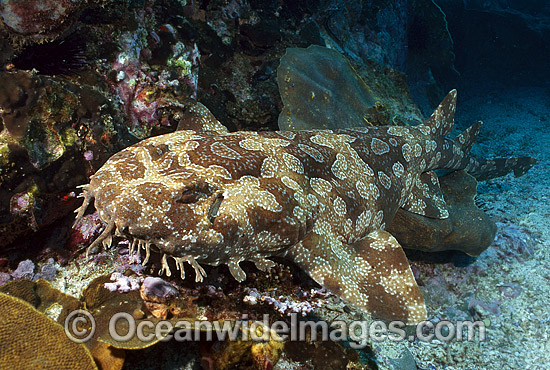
55 130
81 80
159 300
151 95
45 122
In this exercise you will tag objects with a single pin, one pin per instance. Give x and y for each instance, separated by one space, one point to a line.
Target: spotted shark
321 198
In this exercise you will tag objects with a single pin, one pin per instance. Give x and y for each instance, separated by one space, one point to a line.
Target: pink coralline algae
26 270
47 271
123 284
22 205
145 91
4 278
88 155
85 229
287 305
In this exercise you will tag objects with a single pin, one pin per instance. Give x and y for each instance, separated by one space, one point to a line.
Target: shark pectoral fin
236 270
426 197
373 274
391 285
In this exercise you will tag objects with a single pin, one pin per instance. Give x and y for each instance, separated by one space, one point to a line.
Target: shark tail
455 153
486 169
457 157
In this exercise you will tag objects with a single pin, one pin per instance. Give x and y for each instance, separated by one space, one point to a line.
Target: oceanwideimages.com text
80 327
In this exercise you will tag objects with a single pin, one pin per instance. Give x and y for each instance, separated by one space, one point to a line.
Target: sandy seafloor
516 122
508 286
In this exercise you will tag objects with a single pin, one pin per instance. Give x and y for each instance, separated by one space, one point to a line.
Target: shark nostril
215 207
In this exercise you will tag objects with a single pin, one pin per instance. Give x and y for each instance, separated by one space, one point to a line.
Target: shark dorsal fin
198 118
442 119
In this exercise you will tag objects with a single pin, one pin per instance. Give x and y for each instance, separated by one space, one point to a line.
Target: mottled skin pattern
321 198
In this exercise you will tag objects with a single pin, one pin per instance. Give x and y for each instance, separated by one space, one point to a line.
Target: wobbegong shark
321 198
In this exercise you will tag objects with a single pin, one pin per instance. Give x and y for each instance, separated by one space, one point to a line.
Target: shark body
321 198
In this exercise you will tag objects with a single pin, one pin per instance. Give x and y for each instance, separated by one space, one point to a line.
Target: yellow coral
33 341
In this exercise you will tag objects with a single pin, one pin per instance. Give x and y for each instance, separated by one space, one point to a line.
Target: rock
306 75
39 20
